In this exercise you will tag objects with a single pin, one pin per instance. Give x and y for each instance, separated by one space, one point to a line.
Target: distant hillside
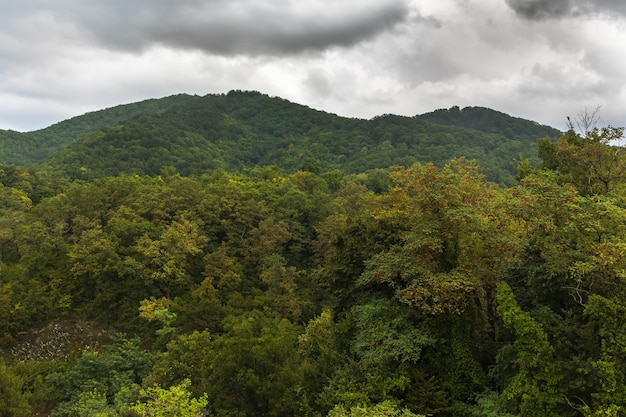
490 121
244 129
27 148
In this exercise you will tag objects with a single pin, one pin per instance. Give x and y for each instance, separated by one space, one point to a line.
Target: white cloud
352 57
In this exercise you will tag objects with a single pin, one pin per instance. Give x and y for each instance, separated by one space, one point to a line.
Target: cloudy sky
538 59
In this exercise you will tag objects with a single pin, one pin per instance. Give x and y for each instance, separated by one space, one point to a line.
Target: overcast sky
538 59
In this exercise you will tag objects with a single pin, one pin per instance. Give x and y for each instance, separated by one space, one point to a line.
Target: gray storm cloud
542 9
59 58
550 9
233 27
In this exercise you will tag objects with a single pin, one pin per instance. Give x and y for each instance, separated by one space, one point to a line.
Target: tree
282 287
590 158
387 333
537 388
93 404
13 399
383 409
200 308
173 402
170 257
322 356
188 356
223 272
345 240
94 263
610 396
120 367
158 310
253 368
455 238
266 239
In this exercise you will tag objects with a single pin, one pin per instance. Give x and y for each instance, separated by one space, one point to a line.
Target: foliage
13 400
454 238
173 402
31 147
385 333
483 119
245 129
537 387
610 399
590 160
253 366
383 409
99 375
306 290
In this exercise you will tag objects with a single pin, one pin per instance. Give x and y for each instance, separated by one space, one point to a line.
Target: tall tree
537 388
170 257
592 159
455 238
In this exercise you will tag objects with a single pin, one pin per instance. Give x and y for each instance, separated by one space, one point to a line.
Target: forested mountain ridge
490 121
405 291
27 148
245 129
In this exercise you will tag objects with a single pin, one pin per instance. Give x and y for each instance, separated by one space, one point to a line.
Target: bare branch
576 294
585 121
575 406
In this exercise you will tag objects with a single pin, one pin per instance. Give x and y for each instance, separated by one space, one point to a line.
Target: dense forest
242 130
308 289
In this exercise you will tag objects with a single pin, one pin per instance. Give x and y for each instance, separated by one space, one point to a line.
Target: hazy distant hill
491 121
244 129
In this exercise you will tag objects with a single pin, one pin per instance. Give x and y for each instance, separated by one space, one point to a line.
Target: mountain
244 129
27 148
490 121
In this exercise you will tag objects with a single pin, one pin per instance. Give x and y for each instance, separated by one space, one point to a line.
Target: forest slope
245 129
27 148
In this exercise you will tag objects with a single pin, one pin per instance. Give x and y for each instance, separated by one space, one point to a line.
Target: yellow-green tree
455 238
173 402
13 399
170 257
383 409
